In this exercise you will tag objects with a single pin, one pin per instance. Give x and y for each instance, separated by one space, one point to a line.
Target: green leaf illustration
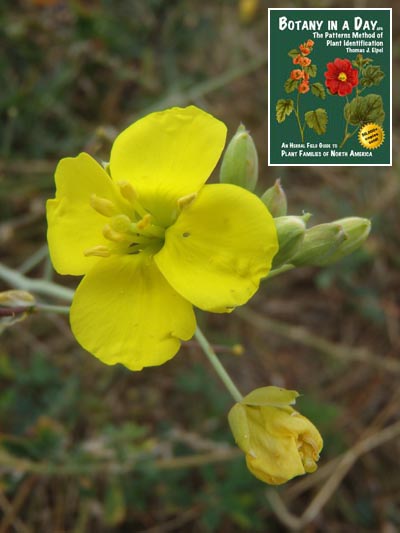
293 53
373 75
360 62
311 70
363 109
291 85
317 120
319 90
283 109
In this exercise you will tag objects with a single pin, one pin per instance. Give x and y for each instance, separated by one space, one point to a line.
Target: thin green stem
297 113
48 308
220 370
39 286
280 270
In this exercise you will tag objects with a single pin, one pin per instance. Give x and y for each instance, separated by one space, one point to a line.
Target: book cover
329 91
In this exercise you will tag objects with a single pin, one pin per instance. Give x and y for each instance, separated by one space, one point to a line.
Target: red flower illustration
341 77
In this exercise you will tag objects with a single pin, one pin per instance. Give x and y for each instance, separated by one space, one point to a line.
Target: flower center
130 229
342 76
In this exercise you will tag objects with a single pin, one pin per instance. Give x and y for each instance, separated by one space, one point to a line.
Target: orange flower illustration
297 74
304 87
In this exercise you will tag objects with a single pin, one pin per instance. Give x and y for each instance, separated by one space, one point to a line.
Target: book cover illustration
329 88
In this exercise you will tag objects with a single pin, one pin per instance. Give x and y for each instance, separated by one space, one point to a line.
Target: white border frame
318 164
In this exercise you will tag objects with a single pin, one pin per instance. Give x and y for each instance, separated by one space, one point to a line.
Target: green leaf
319 90
373 75
364 109
291 85
293 53
311 70
359 62
317 120
283 109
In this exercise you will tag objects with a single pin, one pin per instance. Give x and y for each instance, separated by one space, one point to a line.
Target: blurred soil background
89 448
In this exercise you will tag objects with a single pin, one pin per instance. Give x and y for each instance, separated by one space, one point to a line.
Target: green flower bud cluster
318 245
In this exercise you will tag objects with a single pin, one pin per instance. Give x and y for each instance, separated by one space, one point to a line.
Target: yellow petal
275 457
73 225
168 154
277 461
125 312
219 248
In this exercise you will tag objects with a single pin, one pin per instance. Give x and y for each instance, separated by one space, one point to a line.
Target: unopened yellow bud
356 230
240 161
319 244
248 10
279 443
275 199
290 231
238 349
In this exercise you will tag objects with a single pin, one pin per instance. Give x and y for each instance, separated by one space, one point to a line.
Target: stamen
114 236
102 205
129 193
145 222
185 201
98 251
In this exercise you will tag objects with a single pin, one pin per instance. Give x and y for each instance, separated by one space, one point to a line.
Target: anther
142 224
102 205
185 201
114 236
98 251
127 191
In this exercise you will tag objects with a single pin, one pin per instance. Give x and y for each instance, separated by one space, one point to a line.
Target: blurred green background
90 448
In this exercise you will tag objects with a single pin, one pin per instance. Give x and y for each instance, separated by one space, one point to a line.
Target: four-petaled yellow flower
152 240
279 442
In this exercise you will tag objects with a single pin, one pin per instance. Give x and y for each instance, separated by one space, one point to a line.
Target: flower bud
279 443
16 298
247 10
240 161
14 307
275 199
356 230
319 244
290 231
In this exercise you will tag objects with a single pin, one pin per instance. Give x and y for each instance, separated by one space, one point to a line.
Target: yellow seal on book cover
371 136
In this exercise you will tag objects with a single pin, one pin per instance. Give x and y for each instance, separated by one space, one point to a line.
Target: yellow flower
152 239
279 442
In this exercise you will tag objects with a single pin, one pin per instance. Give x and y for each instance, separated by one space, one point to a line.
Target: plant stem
220 370
48 308
280 270
39 286
297 113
